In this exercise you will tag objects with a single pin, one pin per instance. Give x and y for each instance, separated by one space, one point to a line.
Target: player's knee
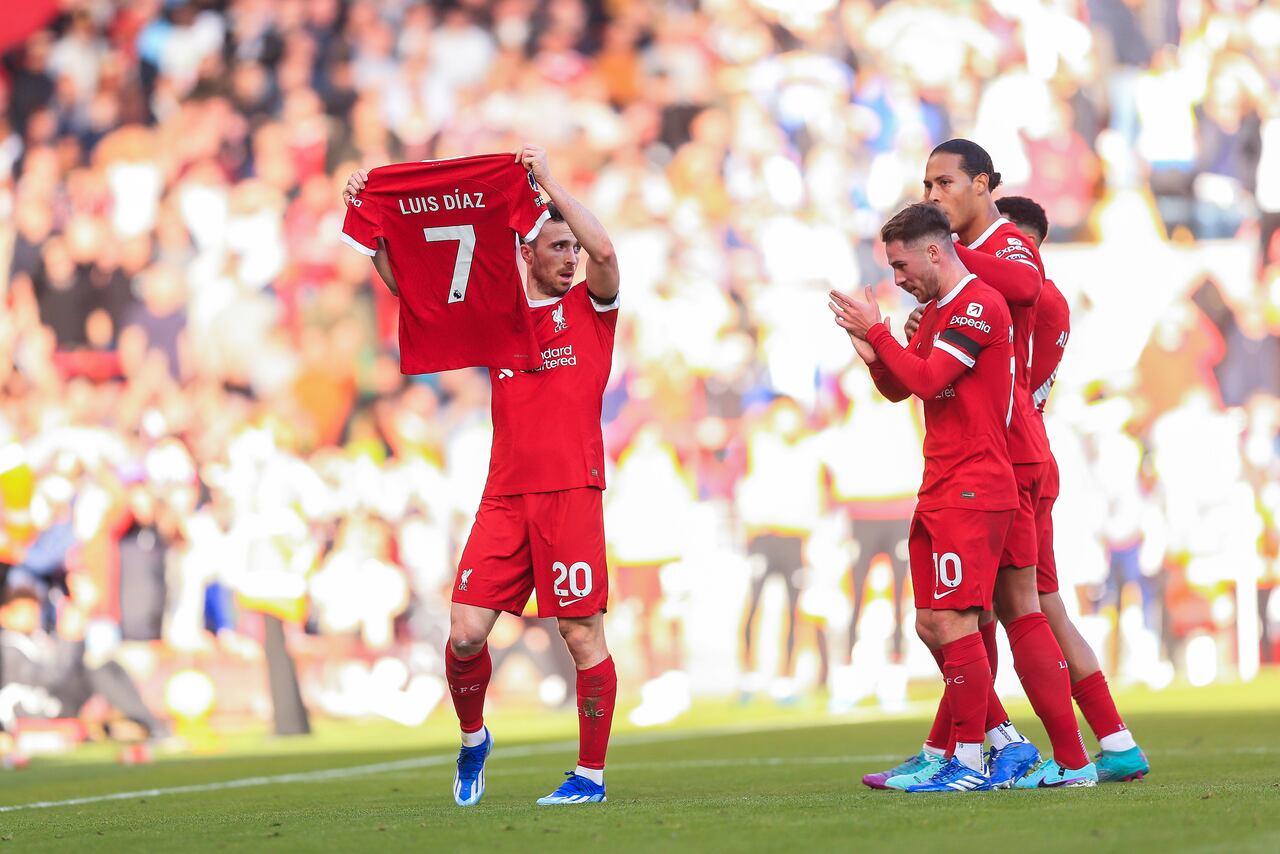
466 641
583 638
925 630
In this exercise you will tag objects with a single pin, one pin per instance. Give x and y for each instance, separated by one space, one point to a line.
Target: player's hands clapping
355 184
855 316
913 322
534 159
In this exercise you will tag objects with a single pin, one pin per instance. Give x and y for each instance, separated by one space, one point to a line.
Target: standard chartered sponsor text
558 357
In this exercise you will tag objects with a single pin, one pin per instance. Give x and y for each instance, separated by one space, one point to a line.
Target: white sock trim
969 755
1118 741
1003 735
935 752
595 775
475 739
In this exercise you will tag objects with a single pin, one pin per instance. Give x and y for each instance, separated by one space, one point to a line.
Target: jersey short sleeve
362 227
526 210
606 313
972 325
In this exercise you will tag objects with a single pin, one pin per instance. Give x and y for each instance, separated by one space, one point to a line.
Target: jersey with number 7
452 230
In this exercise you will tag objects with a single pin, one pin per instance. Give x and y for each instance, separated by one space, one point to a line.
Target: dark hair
915 222
974 160
1026 215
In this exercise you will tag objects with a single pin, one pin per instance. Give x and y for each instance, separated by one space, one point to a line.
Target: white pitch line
327 774
274 779
355 770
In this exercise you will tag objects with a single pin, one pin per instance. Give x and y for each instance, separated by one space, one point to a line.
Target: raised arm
381 262
1017 278
925 378
602 261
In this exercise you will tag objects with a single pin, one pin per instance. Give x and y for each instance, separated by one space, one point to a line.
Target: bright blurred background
215 479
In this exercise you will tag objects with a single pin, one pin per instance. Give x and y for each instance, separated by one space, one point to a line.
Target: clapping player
959 365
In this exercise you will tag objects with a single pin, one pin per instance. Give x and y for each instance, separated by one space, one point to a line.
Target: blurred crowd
203 426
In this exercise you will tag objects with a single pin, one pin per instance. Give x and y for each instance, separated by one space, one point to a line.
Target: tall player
1119 758
958 364
540 525
959 179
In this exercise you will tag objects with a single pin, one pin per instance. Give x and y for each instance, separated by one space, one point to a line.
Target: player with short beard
540 525
959 179
958 364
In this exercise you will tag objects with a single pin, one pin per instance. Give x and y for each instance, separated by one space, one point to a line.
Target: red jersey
546 422
1027 440
451 228
1053 328
960 362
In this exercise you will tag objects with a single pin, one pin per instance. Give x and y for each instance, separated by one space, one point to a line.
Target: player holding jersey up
959 365
540 525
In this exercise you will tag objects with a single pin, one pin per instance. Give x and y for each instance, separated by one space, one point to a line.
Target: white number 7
466 237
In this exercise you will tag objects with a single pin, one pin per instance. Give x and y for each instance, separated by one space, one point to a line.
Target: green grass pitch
724 778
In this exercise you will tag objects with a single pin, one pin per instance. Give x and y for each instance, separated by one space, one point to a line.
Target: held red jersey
966 446
1027 440
546 422
1053 328
451 228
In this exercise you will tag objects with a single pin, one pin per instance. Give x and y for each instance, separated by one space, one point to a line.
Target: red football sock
1038 660
968 679
996 714
1094 699
943 727
989 641
597 690
468 680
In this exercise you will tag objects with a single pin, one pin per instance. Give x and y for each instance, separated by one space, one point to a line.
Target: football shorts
954 556
548 543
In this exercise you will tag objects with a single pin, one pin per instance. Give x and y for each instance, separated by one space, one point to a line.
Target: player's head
917 241
552 256
1028 216
959 178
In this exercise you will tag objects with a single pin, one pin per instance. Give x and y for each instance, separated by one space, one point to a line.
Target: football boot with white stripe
575 790
468 783
954 776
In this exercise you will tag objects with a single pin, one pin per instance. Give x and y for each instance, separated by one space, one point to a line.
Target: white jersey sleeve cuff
357 245
603 307
537 226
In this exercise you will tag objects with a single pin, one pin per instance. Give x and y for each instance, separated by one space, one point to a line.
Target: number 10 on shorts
573 580
947 574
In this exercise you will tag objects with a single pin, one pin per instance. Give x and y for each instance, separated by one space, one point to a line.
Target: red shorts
954 556
1020 548
548 542
1046 566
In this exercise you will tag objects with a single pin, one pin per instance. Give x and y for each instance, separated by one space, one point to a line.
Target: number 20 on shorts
576 576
